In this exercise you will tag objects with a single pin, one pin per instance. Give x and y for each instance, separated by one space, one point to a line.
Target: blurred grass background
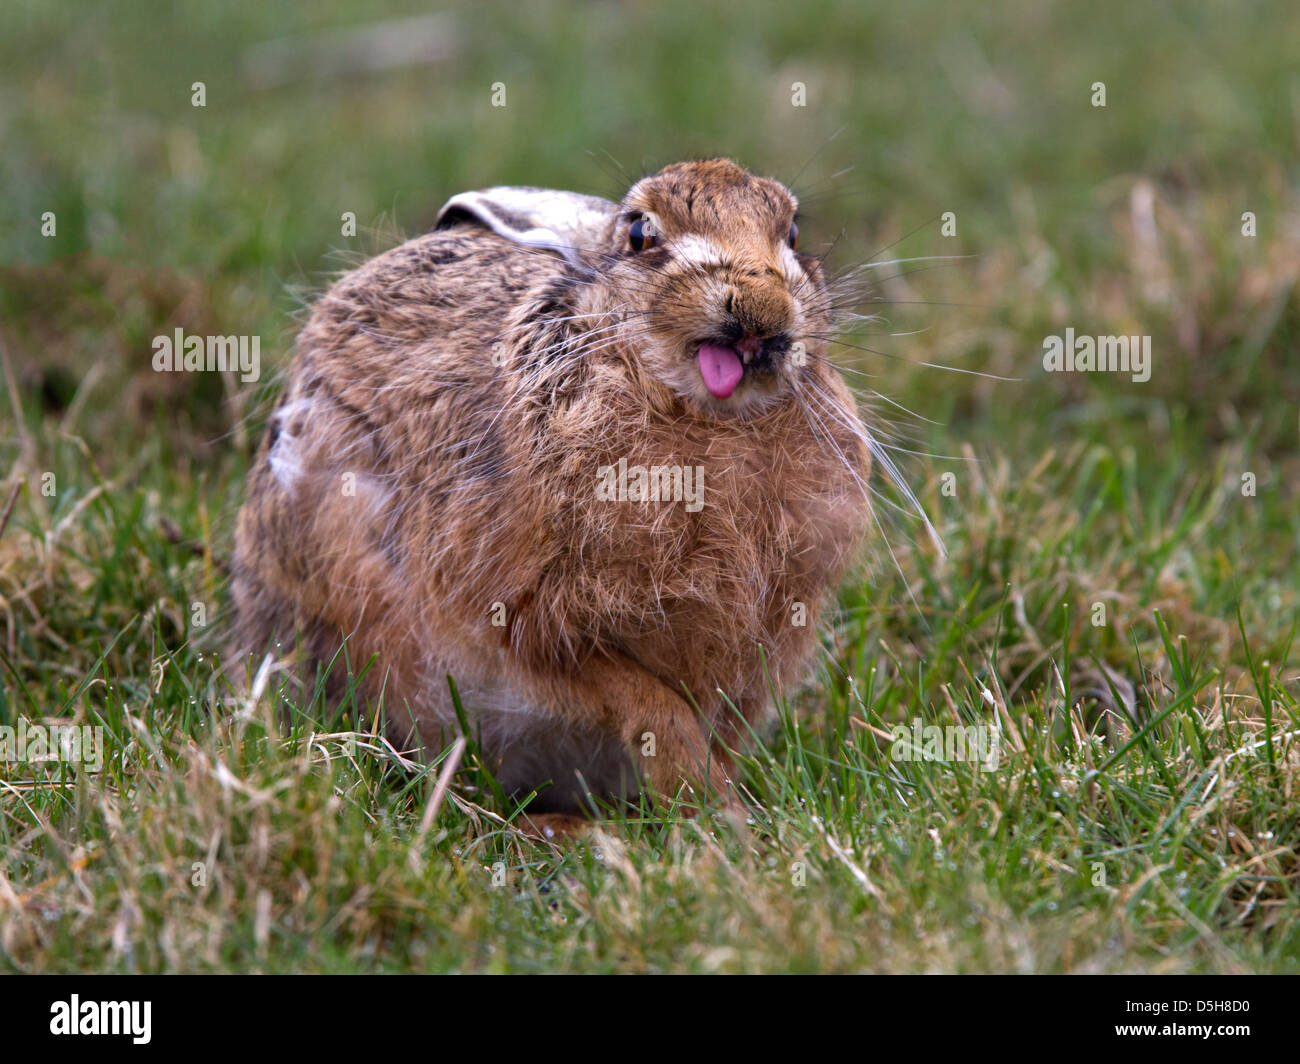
1125 219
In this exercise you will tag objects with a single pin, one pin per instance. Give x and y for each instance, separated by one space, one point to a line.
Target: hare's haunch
585 457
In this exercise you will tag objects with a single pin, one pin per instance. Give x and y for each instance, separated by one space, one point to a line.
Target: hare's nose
761 310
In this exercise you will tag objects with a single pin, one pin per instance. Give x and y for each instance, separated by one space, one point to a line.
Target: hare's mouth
723 364
722 367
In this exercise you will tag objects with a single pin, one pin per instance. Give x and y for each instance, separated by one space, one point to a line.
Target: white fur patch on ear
565 222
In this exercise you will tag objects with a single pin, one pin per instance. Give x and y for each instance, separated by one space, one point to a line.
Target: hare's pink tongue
721 369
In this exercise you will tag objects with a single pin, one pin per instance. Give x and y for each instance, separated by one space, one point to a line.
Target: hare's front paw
665 734
554 828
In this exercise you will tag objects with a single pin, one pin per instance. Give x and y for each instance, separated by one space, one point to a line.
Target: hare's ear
566 222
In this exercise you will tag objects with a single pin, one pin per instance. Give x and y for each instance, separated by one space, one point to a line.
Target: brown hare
590 459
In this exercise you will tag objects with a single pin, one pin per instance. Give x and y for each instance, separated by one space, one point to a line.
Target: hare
590 459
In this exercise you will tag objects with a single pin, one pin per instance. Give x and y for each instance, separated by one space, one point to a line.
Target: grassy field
1121 588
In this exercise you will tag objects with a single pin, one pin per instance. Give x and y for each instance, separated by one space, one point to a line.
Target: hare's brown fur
432 468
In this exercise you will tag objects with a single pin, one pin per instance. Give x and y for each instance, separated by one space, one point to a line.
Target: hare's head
713 296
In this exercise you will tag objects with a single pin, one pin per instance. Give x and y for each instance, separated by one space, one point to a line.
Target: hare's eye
641 234
793 238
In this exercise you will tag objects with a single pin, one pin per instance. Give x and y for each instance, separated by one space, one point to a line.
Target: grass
1143 813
